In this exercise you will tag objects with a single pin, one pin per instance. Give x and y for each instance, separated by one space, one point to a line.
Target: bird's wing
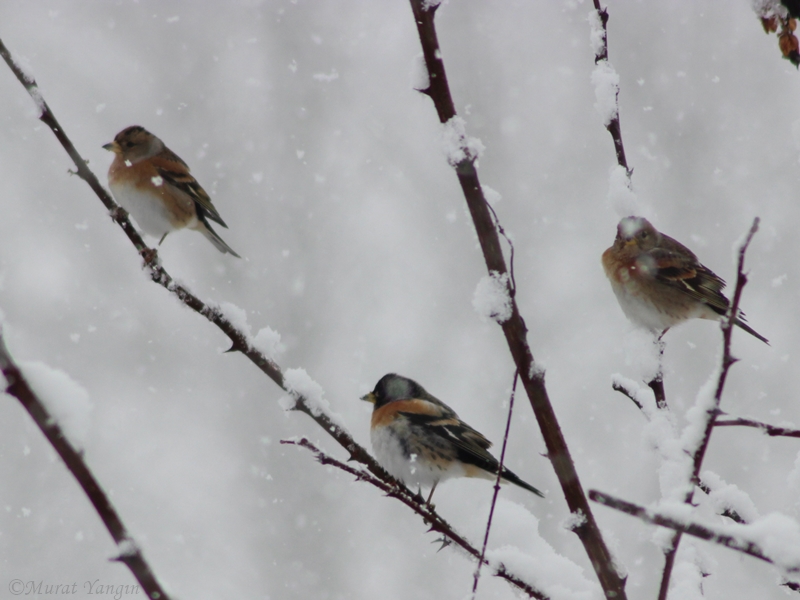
683 271
176 172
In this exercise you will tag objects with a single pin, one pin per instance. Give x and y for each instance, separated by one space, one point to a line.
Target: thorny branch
514 328
727 361
694 529
415 502
770 430
129 553
239 339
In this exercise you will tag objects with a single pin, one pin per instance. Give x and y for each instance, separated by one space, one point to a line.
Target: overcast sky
300 120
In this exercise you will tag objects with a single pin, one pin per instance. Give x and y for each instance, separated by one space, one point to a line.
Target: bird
421 441
155 186
660 283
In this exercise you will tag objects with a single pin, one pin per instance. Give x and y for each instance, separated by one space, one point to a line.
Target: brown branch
770 430
728 512
129 552
514 328
394 489
694 529
618 387
727 360
613 126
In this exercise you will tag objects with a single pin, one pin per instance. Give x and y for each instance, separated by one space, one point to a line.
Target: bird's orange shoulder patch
387 413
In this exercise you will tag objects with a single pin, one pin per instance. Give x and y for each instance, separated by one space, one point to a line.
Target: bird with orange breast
152 183
659 282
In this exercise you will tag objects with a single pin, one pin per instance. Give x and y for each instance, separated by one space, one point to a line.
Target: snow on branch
16 384
702 416
774 538
514 327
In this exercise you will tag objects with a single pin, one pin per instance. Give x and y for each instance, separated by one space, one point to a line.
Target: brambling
659 282
421 441
151 182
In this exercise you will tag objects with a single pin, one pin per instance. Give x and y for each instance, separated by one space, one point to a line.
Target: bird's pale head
636 234
392 387
135 143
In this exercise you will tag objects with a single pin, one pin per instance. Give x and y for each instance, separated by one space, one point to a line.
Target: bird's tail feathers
512 478
218 242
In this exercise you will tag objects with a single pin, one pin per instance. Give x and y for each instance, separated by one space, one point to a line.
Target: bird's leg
162 238
428 501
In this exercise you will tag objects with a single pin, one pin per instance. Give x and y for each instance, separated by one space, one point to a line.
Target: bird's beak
630 242
369 398
111 146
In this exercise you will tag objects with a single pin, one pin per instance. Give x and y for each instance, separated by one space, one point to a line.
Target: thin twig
703 532
417 503
129 552
728 512
618 387
727 360
496 486
770 430
514 327
614 128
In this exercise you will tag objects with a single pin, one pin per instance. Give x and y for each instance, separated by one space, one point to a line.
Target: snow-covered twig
394 489
710 416
603 71
514 327
129 553
735 539
770 430
496 487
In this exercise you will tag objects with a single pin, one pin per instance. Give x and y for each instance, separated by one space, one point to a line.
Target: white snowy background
300 120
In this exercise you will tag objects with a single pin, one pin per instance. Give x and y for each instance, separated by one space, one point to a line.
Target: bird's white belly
147 209
412 470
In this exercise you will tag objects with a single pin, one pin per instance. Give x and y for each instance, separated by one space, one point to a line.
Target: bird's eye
643 235
129 144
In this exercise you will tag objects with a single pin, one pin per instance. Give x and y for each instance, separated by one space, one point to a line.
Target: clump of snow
457 146
606 89
127 548
642 396
769 8
491 299
420 78
157 180
573 521
522 551
66 400
727 496
640 352
299 383
597 34
236 316
688 573
268 342
492 196
621 196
